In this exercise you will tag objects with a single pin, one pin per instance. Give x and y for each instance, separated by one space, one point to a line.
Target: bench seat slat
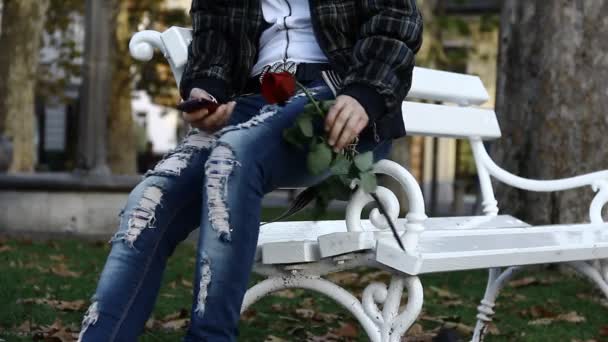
293 242
498 248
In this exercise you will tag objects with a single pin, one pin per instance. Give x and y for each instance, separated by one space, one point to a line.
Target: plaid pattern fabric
369 43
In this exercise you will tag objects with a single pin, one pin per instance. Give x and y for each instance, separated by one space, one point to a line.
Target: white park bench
299 254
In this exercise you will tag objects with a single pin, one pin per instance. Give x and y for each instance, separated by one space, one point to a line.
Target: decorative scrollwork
388 325
416 213
143 43
599 201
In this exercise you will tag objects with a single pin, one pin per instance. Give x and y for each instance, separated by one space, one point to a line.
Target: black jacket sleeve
210 53
381 75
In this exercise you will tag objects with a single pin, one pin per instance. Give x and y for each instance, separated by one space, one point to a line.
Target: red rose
278 87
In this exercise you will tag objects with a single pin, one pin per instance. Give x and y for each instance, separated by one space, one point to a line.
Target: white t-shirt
290 36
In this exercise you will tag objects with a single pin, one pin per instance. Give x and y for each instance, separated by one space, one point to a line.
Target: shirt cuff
368 97
214 86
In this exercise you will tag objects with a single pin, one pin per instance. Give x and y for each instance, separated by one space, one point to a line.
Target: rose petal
278 87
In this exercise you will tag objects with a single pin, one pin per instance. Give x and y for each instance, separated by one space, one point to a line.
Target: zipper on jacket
376 136
286 31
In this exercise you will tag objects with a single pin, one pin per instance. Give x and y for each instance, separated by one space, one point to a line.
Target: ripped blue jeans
215 181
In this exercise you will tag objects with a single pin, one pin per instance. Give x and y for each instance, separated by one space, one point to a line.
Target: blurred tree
128 17
156 77
22 27
62 37
552 102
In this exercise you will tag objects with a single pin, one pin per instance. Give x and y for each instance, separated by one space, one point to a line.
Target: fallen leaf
272 338
415 330
453 303
63 271
344 278
186 283
328 337
571 317
249 315
150 323
443 293
177 324
347 330
5 248
26 326
63 305
374 276
182 313
326 317
492 329
537 311
526 281
595 299
56 257
308 302
305 313
460 328
285 294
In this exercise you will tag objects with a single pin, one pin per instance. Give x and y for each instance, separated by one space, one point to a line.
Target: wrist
368 97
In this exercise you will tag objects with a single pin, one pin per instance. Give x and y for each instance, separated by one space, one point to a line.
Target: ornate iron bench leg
497 279
387 325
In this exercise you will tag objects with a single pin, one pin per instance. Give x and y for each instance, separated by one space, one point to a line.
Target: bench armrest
416 214
598 181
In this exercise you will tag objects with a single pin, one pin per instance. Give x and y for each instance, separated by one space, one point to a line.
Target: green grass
26 271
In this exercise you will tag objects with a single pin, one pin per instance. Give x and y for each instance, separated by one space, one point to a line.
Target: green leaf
293 136
326 105
364 161
305 124
340 165
319 158
336 189
368 181
310 109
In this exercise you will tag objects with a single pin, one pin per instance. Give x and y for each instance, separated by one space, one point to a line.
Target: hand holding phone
193 105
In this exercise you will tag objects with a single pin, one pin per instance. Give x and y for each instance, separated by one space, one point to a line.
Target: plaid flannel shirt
370 44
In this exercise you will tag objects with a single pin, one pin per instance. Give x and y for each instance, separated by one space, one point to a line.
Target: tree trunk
22 25
122 147
552 102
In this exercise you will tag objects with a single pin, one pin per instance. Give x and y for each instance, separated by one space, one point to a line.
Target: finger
333 113
231 106
197 93
195 116
361 125
338 125
348 134
216 117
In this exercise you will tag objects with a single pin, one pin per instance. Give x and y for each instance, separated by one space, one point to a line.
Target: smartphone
193 105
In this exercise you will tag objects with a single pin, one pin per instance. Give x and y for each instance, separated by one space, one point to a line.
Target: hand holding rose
344 121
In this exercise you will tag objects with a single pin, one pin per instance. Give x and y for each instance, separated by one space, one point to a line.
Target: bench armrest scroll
416 213
598 181
143 43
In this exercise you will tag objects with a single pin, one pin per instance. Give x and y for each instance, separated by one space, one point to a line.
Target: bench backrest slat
428 85
449 121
